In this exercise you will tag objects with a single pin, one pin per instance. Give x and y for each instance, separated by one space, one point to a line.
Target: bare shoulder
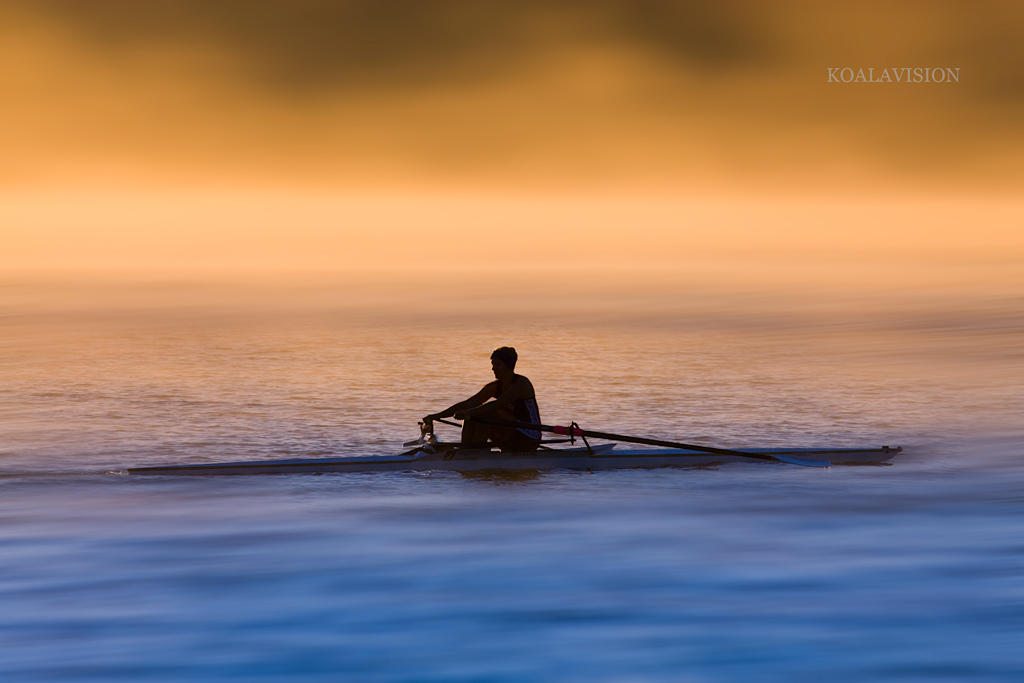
524 385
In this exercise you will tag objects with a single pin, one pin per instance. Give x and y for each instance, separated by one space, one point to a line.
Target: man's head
507 356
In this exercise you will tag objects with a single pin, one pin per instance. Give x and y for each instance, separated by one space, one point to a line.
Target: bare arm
472 402
519 389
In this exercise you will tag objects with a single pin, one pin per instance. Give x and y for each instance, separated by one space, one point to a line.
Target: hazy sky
255 120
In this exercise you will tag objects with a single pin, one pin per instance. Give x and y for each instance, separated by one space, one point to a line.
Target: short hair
507 355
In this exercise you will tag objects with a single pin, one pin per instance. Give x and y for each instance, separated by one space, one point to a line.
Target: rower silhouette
508 397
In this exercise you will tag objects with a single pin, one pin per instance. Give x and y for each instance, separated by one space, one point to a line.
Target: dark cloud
331 44
571 88
338 44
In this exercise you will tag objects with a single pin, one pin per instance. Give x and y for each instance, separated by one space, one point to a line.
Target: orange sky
335 137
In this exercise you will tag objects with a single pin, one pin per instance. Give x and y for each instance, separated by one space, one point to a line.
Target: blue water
908 572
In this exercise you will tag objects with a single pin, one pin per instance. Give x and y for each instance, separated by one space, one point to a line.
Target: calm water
908 572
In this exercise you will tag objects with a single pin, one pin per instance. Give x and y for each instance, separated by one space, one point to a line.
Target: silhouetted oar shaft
575 431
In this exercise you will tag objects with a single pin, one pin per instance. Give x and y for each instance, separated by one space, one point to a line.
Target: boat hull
603 457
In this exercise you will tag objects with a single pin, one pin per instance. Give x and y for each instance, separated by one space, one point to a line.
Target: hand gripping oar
576 431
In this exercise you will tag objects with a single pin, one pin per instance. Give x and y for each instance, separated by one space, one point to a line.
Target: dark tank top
525 410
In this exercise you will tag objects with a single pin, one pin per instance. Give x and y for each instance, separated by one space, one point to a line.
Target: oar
576 431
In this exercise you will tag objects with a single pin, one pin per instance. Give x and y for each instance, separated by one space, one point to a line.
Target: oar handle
446 422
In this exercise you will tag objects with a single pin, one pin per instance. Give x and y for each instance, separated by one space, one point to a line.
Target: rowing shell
602 457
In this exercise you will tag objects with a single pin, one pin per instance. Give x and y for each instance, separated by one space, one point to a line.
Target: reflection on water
742 572
503 476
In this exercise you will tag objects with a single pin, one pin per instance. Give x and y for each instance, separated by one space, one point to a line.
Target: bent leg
474 432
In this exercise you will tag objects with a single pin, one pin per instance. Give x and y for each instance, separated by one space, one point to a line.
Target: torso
524 409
